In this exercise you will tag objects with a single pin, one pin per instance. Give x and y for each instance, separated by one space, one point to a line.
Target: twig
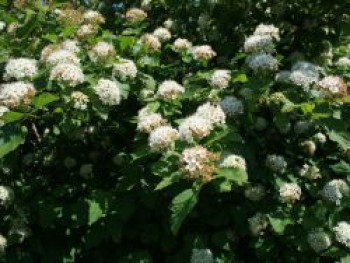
35 130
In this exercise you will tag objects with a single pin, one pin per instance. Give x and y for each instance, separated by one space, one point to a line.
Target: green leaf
10 139
345 259
98 205
279 224
95 212
181 207
12 116
167 181
239 176
242 78
341 168
44 99
341 138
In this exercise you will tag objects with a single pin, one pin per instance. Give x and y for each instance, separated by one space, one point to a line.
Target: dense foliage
126 137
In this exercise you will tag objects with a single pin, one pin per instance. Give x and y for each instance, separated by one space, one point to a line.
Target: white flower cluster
93 17
220 79
196 163
170 90
151 42
16 93
343 62
20 68
162 138
311 172
101 52
70 45
86 31
6 196
80 100
231 106
290 192
2 25
3 243
335 190
147 123
195 128
258 224
135 15
213 113
255 192
204 52
70 74
163 34
108 91
333 86
320 138
125 69
342 233
261 44
182 44
62 56
233 161
276 163
319 240
3 110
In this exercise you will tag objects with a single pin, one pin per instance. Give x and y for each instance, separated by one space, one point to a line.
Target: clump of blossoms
195 128
6 196
151 42
125 69
80 100
231 106
108 92
61 56
335 190
2 25
262 62
162 138
3 243
16 93
67 73
3 110
333 86
233 161
255 192
20 68
70 45
135 15
276 163
343 62
258 43
319 240
267 30
214 113
93 17
147 123
163 34
258 224
101 52
290 192
86 31
182 44
342 233
220 79
170 90
204 53
198 163
311 172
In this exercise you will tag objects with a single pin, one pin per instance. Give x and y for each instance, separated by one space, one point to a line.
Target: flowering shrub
130 144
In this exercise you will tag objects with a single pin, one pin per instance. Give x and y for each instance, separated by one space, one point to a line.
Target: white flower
108 91
214 113
276 163
182 44
262 62
258 224
92 16
320 137
3 243
309 147
169 23
162 34
335 190
125 69
135 15
6 196
102 51
62 56
16 93
343 62
231 105
151 42
2 25
47 51
267 30
290 192
20 68
305 66
233 161
259 43
198 163
255 193
342 233
283 76
170 90
3 110
162 138
86 31
195 127
80 100
220 79
70 74
148 123
303 78
202 256
205 52
70 45
333 86
310 172
319 240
